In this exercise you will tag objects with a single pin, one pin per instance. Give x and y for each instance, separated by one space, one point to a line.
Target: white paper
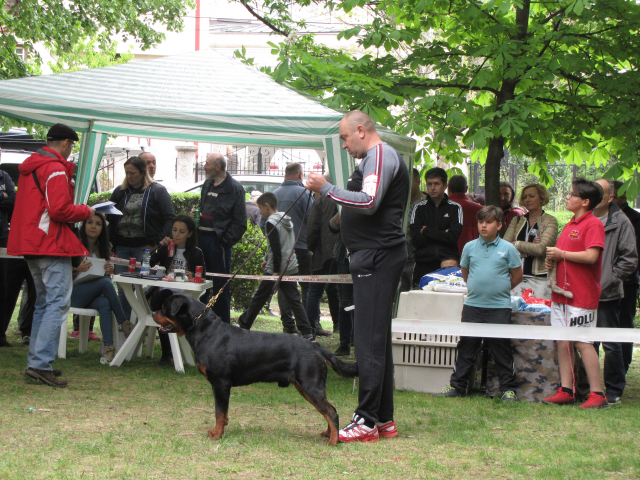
95 271
107 208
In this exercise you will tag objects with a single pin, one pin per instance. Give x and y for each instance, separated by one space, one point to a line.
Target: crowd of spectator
446 225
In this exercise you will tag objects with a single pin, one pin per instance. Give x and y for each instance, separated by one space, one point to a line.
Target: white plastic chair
85 318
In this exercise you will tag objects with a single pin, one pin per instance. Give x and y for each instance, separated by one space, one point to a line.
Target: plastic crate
423 363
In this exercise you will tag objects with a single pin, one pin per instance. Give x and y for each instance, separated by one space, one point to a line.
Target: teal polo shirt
489 281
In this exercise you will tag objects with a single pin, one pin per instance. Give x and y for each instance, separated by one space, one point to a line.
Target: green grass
141 421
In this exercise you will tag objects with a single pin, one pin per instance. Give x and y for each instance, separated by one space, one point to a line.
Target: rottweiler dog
229 356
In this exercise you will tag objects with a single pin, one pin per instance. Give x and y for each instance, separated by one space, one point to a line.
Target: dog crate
424 362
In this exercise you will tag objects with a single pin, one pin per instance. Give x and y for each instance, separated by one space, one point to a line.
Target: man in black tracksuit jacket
371 226
435 225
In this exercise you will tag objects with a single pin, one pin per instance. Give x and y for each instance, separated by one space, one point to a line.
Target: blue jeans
217 259
53 280
100 295
126 253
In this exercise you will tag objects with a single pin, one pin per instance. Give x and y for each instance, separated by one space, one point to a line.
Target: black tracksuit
439 239
371 226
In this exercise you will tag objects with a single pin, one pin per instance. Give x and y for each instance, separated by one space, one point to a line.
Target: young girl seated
99 294
186 256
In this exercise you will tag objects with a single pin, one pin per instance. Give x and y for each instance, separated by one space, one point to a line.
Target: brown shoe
56 373
108 354
45 376
322 332
126 327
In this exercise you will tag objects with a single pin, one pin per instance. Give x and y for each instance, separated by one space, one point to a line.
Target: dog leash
214 298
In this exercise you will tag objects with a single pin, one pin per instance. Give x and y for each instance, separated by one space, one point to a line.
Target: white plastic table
134 291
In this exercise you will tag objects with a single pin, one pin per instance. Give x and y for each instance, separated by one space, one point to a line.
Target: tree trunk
506 93
492 171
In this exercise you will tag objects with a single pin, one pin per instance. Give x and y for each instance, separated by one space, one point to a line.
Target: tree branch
570 76
245 3
553 15
487 14
566 104
445 85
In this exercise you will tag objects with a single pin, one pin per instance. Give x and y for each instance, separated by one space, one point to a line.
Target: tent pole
91 149
338 160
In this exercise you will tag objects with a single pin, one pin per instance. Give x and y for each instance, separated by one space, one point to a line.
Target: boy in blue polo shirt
491 267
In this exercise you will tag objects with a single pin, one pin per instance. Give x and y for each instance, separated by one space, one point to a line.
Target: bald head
358 133
358 117
150 161
215 165
607 197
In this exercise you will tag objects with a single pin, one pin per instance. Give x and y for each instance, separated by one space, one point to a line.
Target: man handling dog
371 224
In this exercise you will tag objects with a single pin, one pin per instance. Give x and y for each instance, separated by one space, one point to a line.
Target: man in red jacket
457 193
41 232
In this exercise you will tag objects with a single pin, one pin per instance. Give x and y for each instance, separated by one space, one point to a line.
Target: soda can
196 216
198 277
172 248
132 265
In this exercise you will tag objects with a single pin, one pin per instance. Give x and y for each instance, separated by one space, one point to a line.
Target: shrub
241 290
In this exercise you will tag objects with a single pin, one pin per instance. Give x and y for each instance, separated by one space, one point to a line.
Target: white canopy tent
199 97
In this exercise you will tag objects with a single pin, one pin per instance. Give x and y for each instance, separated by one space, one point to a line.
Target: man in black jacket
435 226
13 271
223 221
7 200
371 226
629 301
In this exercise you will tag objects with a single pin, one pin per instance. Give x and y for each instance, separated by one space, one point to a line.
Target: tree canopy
549 80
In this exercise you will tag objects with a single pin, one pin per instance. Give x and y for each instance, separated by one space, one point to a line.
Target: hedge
241 290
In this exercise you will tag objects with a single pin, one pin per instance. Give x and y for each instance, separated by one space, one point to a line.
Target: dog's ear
179 305
157 299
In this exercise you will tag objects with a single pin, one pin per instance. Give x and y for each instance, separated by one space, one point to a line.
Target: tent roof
200 96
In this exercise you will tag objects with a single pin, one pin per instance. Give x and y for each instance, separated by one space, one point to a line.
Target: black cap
61 132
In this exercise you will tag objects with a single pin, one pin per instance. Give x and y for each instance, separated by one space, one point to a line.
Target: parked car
10 160
262 183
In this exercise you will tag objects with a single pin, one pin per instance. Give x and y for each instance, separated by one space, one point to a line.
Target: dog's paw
215 433
326 433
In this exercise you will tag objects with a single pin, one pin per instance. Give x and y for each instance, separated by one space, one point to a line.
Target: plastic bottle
146 263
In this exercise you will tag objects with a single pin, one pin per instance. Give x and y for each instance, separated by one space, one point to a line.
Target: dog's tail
344 369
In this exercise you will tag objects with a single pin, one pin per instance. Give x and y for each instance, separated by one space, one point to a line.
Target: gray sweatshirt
281 244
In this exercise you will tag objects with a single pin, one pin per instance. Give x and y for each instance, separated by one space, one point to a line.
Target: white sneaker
357 431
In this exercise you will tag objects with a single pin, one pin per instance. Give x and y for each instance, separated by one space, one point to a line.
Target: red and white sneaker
357 431
387 429
75 334
93 336
595 401
560 398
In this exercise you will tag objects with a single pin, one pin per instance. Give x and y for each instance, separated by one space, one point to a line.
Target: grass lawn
142 421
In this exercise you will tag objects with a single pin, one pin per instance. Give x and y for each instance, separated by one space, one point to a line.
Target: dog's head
177 313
